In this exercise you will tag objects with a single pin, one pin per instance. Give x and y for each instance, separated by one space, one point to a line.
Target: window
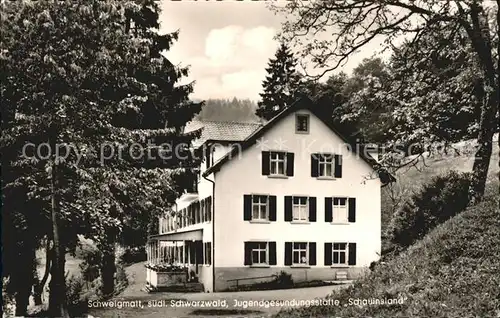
326 165
260 253
209 156
340 210
326 168
277 163
301 123
259 207
300 209
339 254
299 253
209 208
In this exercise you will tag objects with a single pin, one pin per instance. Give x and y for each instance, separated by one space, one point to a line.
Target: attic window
302 123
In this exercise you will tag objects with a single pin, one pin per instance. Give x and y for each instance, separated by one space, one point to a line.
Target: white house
290 194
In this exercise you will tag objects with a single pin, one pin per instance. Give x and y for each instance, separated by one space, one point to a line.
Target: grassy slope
410 179
452 272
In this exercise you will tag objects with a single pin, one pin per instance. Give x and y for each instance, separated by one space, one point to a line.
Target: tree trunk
108 267
485 142
25 279
39 285
57 297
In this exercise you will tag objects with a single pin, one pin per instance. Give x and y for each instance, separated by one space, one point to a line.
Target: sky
227 45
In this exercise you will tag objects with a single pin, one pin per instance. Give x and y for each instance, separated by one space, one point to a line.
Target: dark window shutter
352 209
328 254
289 164
312 209
338 166
272 208
248 253
352 253
314 165
288 208
265 163
199 252
208 159
192 253
328 209
272 253
288 253
312 253
247 207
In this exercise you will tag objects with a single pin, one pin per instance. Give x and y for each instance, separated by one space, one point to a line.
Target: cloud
234 62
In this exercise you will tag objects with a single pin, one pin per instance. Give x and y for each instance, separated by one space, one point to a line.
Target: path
160 305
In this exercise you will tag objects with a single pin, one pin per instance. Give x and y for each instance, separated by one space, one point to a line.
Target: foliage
90 266
85 74
461 256
167 267
365 107
134 255
436 99
77 303
442 198
282 84
459 39
283 280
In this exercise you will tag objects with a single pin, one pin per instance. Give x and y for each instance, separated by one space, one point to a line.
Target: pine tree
281 84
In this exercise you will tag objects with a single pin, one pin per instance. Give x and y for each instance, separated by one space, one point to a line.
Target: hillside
411 178
233 110
452 272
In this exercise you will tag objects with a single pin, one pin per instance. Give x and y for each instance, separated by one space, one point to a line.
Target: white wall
243 176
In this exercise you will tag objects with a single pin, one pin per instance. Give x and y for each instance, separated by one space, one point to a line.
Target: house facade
289 195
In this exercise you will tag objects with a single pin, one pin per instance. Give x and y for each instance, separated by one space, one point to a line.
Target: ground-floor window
340 253
260 253
299 253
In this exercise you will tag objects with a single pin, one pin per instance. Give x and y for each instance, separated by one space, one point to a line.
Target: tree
281 85
356 23
365 109
437 99
78 75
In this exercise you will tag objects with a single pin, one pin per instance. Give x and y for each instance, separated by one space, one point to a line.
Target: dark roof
221 131
302 103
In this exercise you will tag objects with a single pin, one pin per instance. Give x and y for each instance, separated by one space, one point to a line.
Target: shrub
90 267
283 280
77 302
134 255
442 198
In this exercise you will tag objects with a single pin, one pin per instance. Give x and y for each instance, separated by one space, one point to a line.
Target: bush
439 200
134 255
77 302
283 280
90 266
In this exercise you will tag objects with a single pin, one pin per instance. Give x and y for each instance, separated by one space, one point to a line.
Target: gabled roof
302 103
221 131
